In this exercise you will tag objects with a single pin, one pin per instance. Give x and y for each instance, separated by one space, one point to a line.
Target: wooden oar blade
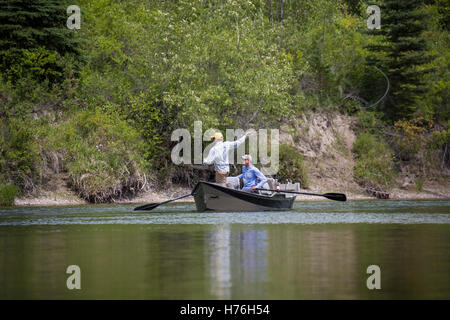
336 196
147 207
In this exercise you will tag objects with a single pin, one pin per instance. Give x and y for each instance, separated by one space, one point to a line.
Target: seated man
250 174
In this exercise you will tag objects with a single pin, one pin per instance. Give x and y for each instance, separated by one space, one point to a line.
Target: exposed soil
56 192
326 140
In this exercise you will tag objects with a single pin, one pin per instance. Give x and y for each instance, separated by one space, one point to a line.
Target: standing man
219 155
251 174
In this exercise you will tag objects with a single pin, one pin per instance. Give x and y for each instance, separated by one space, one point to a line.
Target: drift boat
212 196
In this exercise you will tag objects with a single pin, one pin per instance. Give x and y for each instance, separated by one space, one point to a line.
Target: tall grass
292 166
101 153
7 194
374 166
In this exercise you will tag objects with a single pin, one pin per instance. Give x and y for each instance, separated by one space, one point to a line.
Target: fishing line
387 89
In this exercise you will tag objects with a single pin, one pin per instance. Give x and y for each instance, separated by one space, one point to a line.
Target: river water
319 250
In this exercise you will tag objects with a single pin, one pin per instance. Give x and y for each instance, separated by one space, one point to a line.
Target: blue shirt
251 174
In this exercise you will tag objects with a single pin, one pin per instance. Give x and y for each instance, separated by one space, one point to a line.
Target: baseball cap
217 136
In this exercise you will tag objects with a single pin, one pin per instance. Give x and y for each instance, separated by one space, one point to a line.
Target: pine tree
37 26
402 55
28 24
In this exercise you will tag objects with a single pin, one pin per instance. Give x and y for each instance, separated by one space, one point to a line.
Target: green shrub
369 121
38 64
102 154
438 139
292 166
374 166
7 194
419 184
19 154
410 137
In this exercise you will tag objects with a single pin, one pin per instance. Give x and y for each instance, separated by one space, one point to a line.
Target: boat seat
291 187
266 186
270 184
233 182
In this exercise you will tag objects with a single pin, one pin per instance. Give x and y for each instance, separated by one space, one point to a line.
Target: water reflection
190 255
314 263
218 254
237 257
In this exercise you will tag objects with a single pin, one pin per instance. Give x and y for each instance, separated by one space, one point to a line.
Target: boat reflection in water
238 258
218 254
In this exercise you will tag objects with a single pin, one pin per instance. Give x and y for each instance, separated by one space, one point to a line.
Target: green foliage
419 184
19 154
102 155
374 166
28 24
155 66
328 56
191 71
401 52
39 64
7 194
436 102
438 139
354 6
292 166
34 38
443 10
369 121
410 137
439 99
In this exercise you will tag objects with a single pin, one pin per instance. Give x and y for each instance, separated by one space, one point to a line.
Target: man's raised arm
237 143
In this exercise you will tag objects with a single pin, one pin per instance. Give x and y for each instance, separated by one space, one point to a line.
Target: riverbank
326 144
48 198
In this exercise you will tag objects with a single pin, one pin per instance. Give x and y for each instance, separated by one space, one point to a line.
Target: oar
152 206
331 196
